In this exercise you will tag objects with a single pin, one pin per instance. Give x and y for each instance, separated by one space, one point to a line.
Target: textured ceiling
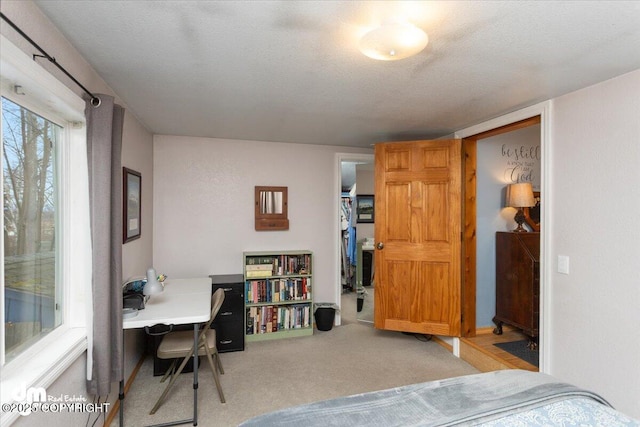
291 71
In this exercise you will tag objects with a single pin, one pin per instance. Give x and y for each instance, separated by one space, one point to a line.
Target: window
32 296
45 291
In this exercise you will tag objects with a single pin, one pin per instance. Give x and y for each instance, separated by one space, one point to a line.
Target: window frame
44 361
60 157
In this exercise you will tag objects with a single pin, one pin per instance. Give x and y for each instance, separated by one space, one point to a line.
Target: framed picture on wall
131 206
364 208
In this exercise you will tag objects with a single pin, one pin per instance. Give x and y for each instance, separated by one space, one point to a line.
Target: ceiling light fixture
393 40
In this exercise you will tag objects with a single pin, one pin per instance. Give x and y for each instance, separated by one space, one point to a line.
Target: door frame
543 110
339 158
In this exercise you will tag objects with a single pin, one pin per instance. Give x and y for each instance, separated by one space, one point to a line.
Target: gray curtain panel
104 147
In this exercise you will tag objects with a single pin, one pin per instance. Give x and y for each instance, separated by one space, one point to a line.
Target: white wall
204 197
595 200
69 382
136 154
137 255
500 162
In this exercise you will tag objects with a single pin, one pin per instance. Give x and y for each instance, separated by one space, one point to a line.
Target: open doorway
495 255
355 177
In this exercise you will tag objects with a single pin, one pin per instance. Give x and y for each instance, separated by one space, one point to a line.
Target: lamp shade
393 40
520 195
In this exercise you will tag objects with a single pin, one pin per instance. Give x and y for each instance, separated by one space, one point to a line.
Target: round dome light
393 41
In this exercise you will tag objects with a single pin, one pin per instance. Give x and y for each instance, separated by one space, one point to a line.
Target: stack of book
292 264
259 267
276 290
269 318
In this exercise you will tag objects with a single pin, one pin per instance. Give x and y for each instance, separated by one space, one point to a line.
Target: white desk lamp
153 286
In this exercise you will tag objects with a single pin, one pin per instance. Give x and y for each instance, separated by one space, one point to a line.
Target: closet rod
95 101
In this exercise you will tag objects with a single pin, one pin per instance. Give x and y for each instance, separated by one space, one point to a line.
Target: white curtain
104 147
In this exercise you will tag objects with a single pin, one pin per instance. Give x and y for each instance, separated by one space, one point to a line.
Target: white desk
184 301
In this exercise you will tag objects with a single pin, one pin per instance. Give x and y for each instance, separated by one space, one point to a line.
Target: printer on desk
132 296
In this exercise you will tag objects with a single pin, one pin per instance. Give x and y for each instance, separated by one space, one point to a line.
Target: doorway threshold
480 351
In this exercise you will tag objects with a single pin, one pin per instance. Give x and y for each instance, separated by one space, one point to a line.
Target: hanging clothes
351 250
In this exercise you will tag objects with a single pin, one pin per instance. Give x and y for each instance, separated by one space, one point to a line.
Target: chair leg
215 377
170 371
173 380
217 356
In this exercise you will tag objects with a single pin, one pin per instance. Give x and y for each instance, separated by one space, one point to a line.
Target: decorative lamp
153 286
393 40
520 196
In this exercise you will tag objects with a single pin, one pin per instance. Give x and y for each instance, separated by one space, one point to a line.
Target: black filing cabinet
229 323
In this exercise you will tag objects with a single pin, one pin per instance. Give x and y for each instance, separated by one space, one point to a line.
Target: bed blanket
467 400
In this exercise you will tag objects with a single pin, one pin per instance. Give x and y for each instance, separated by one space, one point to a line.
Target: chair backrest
216 302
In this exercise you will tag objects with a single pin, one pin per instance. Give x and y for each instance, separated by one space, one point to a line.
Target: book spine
275 290
263 320
256 320
259 273
254 291
274 319
287 318
269 320
255 260
259 267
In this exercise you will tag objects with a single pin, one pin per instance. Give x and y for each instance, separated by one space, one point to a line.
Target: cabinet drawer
229 288
229 316
233 295
229 336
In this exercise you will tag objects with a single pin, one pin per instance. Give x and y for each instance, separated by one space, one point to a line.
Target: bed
502 398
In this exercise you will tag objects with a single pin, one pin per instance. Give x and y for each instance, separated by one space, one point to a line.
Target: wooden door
418 237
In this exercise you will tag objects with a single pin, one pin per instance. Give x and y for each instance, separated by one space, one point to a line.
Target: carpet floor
269 375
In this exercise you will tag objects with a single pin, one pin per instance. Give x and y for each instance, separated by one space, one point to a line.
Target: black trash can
325 316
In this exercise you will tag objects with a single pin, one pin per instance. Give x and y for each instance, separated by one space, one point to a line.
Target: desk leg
195 374
193 420
121 394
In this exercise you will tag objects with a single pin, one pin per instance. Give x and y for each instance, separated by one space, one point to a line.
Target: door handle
380 245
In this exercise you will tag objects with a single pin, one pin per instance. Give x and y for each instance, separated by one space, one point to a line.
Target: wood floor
481 352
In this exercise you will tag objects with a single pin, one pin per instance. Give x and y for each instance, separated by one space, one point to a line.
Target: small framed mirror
271 208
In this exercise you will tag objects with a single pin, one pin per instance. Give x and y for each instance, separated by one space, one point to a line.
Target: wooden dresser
518 282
